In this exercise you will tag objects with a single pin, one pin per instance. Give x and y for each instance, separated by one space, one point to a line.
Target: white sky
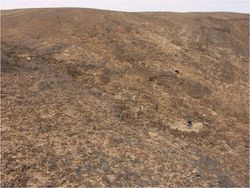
137 5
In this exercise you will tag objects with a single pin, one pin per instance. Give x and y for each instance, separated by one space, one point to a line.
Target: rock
152 134
198 175
49 184
111 178
95 91
133 98
133 157
142 108
189 123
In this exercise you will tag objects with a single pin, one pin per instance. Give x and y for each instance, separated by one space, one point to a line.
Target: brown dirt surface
102 98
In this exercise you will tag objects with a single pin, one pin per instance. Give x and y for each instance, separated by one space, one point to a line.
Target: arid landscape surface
102 98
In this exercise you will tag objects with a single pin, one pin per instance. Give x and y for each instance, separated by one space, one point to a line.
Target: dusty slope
100 98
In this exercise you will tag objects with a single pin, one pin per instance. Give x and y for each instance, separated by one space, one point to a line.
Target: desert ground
101 98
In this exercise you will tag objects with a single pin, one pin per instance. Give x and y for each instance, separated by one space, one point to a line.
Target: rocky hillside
102 98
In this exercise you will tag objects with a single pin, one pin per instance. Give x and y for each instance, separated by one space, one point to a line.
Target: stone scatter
94 98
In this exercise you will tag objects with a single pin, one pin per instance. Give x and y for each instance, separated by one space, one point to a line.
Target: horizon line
139 11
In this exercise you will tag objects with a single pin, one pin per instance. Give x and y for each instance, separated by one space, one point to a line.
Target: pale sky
137 5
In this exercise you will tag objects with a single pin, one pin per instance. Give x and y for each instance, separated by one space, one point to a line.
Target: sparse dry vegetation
102 98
